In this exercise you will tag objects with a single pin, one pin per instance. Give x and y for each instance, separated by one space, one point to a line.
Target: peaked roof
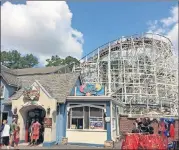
57 85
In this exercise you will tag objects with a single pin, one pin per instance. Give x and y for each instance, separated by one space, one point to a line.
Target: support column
64 138
108 143
109 69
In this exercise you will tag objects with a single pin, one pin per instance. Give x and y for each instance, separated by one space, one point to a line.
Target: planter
64 140
108 144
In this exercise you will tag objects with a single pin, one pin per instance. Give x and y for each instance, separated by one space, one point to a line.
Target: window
86 117
77 118
96 118
2 90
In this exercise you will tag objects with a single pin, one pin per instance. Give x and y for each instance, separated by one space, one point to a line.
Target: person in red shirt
36 131
172 129
16 136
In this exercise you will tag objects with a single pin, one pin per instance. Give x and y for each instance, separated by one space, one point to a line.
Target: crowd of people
146 136
143 125
10 134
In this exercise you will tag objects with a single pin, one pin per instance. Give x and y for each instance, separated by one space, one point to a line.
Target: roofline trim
88 97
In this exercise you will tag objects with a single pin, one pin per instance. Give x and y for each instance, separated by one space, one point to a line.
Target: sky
77 28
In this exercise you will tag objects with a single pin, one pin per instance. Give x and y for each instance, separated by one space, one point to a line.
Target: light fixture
48 110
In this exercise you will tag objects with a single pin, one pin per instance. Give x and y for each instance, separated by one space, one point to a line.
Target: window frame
96 105
75 117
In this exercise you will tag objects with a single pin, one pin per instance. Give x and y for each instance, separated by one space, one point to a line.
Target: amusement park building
68 110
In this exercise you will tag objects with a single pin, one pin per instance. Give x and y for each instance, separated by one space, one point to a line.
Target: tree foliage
56 61
14 60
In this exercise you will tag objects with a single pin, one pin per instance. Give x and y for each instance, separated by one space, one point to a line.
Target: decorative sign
90 90
32 93
47 122
96 123
73 126
107 119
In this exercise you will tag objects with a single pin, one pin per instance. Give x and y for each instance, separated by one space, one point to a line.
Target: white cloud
42 28
173 19
167 26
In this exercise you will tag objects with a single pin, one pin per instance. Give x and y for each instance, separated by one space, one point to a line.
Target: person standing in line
30 132
12 129
5 134
36 131
16 136
1 129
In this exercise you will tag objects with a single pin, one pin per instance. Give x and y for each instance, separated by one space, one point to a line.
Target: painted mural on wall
32 93
90 90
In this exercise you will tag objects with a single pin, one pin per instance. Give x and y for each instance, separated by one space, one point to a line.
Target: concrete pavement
68 146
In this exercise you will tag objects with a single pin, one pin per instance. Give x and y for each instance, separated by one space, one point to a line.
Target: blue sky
95 23
101 22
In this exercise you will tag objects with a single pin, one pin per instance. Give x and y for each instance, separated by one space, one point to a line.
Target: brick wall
126 125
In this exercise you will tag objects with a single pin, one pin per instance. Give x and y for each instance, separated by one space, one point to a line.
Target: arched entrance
30 113
35 114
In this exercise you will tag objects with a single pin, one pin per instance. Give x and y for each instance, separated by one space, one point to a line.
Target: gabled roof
57 85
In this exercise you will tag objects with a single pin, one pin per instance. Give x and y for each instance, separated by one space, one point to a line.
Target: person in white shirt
5 134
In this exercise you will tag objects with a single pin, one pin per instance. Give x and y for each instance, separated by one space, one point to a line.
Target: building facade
67 109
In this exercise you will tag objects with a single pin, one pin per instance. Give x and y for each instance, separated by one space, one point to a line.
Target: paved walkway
24 146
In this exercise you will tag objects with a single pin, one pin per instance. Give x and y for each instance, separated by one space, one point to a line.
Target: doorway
35 114
4 116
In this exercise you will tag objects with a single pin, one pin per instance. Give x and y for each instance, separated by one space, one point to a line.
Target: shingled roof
57 85
9 76
43 70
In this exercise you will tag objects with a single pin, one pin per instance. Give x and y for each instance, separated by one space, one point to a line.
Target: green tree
57 61
14 60
29 60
